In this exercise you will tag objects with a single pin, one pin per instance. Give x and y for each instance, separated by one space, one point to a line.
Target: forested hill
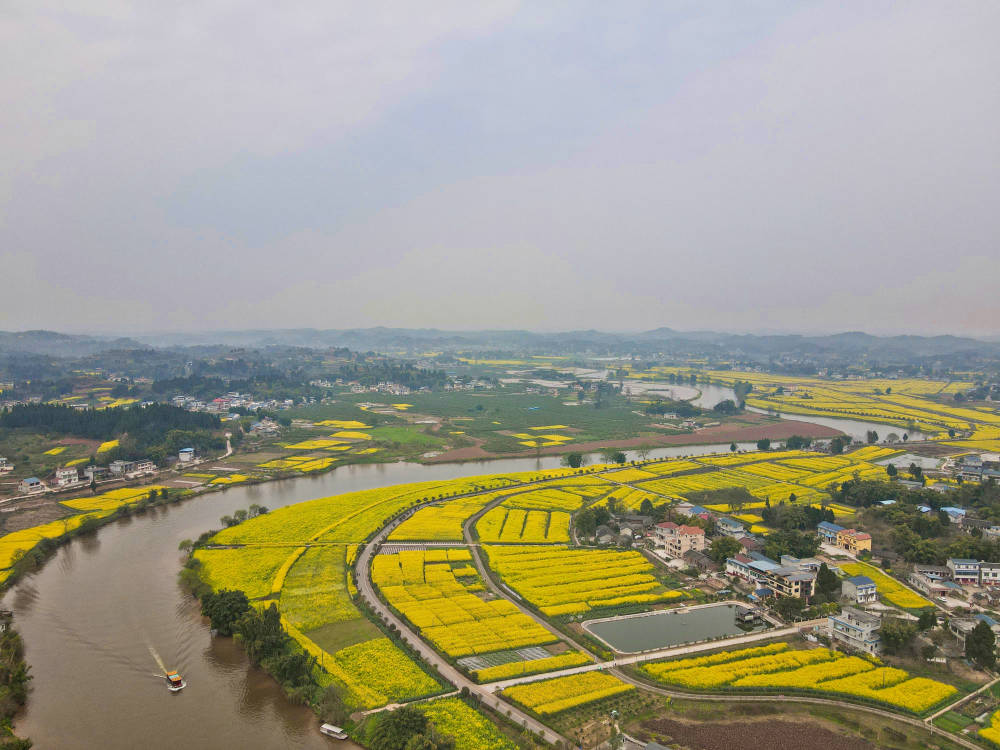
147 424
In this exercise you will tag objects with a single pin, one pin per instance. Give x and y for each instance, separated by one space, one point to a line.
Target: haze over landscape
733 166
500 375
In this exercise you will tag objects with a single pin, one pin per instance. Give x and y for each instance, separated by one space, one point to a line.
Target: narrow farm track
962 700
367 590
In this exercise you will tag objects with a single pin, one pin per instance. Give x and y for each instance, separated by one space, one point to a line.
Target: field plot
112 499
560 580
448 612
533 666
889 588
249 569
822 670
470 729
441 523
518 525
562 693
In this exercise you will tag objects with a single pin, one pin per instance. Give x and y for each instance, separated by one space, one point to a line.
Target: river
89 616
858 430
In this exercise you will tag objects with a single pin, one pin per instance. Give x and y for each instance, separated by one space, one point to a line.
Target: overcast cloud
799 166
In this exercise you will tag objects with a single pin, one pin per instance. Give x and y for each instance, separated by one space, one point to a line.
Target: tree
727 406
827 583
646 507
612 456
723 548
897 634
979 646
927 619
789 607
224 609
872 436
797 442
891 470
430 740
393 729
573 460
764 444
916 472
732 447
331 707
837 446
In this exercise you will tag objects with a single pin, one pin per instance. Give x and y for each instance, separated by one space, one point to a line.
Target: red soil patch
770 734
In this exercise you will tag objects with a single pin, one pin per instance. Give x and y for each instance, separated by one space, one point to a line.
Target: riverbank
707 436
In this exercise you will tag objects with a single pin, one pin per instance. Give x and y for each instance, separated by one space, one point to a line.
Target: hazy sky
730 165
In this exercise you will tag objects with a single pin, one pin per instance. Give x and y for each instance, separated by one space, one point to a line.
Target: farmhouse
854 541
828 531
30 486
964 571
859 589
679 539
729 527
782 580
857 630
67 476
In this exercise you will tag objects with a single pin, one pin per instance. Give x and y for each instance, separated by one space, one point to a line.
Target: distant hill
51 343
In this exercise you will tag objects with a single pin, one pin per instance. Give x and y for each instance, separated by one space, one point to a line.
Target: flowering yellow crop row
552 696
561 580
111 499
249 569
820 669
440 523
447 611
54 451
344 424
992 732
18 542
517 525
888 588
230 479
567 498
471 730
518 668
107 445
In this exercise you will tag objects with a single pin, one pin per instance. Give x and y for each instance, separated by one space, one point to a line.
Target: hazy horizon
812 167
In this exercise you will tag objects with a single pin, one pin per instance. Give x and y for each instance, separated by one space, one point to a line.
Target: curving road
367 590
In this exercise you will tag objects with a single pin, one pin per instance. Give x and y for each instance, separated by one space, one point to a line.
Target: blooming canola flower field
560 580
819 670
562 693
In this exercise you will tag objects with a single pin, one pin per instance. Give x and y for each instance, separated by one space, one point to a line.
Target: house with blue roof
859 589
828 531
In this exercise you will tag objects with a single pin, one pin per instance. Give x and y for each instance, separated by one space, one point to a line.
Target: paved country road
459 680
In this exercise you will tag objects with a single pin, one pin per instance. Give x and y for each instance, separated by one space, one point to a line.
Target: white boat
331 731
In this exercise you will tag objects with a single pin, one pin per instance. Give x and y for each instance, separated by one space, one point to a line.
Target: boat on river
175 683
331 731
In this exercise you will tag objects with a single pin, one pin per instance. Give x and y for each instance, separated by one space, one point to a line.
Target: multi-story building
828 531
120 468
856 630
678 539
67 476
30 485
854 541
782 580
859 589
964 571
989 574
729 526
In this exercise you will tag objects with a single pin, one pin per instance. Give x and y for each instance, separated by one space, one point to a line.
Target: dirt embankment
771 734
719 434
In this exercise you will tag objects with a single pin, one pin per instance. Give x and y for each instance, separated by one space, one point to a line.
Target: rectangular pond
669 627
